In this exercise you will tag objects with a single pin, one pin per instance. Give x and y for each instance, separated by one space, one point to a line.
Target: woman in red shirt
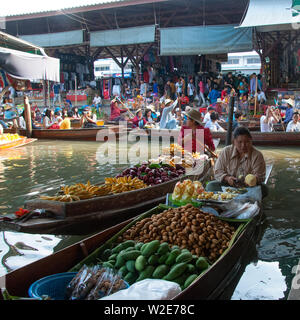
139 121
193 134
115 111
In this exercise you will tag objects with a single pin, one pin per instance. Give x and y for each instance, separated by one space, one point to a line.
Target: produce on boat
8 137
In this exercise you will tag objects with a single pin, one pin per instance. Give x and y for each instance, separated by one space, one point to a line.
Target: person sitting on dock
167 120
238 160
294 125
190 140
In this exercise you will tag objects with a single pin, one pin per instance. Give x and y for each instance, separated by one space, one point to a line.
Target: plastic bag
240 210
92 283
148 289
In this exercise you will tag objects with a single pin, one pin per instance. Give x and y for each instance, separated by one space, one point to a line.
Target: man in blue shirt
289 111
155 87
214 95
167 120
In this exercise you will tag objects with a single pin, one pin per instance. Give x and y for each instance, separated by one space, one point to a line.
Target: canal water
40 168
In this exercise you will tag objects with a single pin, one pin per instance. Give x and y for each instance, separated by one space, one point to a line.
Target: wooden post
230 120
27 114
49 99
75 91
255 97
44 94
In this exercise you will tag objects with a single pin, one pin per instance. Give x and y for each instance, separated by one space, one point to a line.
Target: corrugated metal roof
85 4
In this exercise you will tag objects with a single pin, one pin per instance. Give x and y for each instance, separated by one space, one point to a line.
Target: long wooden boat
276 138
86 216
279 138
82 134
208 286
23 141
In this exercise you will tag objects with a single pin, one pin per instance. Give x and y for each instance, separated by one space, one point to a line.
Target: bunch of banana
124 184
62 198
79 191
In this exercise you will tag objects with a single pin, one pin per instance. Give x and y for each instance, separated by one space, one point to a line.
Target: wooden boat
208 286
23 141
86 216
79 134
277 138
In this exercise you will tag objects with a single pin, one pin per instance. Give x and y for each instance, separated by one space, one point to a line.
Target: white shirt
97 100
22 123
214 126
261 96
179 87
191 89
206 117
143 89
266 127
293 127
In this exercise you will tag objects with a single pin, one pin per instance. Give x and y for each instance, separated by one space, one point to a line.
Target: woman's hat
167 101
151 107
193 114
291 102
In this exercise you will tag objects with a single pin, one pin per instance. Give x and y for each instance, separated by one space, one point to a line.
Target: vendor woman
236 160
116 113
190 138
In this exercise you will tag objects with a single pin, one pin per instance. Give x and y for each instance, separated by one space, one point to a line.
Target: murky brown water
43 166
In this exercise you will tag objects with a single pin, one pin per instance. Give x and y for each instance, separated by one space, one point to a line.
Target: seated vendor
116 113
66 123
237 161
167 119
189 138
88 120
139 121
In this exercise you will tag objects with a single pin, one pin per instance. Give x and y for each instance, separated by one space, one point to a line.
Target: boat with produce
79 134
84 208
10 141
198 251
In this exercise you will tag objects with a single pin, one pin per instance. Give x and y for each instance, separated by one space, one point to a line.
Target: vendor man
238 159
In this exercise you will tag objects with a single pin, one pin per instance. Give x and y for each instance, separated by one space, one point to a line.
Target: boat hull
79 134
267 138
14 144
209 286
86 216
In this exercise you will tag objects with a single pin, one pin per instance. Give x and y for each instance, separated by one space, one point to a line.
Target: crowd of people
166 106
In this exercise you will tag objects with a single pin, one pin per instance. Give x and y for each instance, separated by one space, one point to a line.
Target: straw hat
151 107
167 101
291 102
194 115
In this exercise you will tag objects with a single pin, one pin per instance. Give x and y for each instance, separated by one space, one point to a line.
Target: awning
269 15
57 39
27 66
124 36
204 40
